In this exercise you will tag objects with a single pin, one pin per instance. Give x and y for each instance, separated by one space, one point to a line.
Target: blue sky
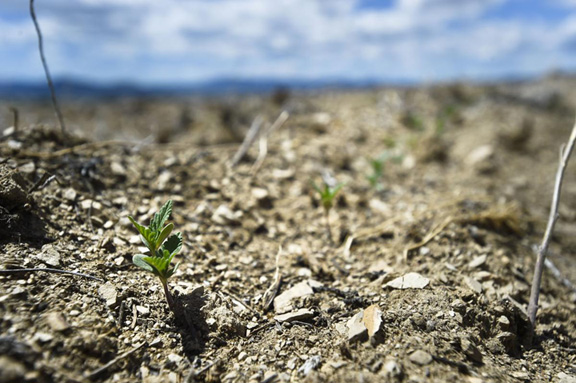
183 41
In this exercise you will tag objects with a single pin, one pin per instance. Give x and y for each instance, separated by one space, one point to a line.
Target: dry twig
46 71
100 370
270 294
565 152
430 236
48 270
263 143
248 140
16 118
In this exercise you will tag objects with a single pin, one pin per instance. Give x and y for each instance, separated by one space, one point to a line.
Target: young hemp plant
378 165
374 178
327 195
162 247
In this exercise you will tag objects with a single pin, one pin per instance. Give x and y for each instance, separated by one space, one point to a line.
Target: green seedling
162 247
412 121
327 195
377 166
447 114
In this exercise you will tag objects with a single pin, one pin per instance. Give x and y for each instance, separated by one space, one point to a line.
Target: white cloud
164 40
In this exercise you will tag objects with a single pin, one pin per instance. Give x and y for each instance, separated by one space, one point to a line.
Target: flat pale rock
357 331
379 206
409 281
108 292
175 358
88 204
393 369
224 216
282 301
117 168
473 285
143 310
42 337
311 363
565 378
301 314
480 154
373 320
57 322
49 255
477 261
70 194
164 179
420 357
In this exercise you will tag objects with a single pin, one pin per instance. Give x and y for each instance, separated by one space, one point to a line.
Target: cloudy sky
175 41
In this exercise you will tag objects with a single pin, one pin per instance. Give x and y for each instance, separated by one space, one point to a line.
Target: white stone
420 357
294 315
409 281
49 255
108 292
282 301
480 154
357 331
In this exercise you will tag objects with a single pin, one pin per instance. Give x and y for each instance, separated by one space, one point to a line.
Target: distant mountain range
69 88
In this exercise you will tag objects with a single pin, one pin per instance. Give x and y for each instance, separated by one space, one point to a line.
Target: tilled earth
425 276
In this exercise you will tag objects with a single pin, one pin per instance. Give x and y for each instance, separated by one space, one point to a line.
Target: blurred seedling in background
448 114
327 193
412 121
162 248
378 165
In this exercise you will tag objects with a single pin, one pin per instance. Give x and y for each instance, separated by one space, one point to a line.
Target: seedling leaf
336 189
174 244
164 234
141 229
146 235
140 261
161 217
172 270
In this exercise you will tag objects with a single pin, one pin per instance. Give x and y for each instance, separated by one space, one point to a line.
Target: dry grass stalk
46 71
565 152
248 140
263 144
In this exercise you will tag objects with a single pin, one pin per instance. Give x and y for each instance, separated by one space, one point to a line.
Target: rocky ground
425 275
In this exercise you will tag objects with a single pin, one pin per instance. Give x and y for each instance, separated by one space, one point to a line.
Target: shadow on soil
191 322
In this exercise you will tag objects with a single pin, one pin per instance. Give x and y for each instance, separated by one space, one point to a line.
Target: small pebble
420 357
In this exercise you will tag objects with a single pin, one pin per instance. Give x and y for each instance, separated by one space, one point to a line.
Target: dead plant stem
248 140
48 270
16 118
46 71
565 153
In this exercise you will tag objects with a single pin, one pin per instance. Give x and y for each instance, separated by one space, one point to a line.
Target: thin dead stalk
46 71
248 140
263 143
272 291
565 152
48 270
16 118
94 374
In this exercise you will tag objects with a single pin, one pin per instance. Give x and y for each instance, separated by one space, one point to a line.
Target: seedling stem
327 195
